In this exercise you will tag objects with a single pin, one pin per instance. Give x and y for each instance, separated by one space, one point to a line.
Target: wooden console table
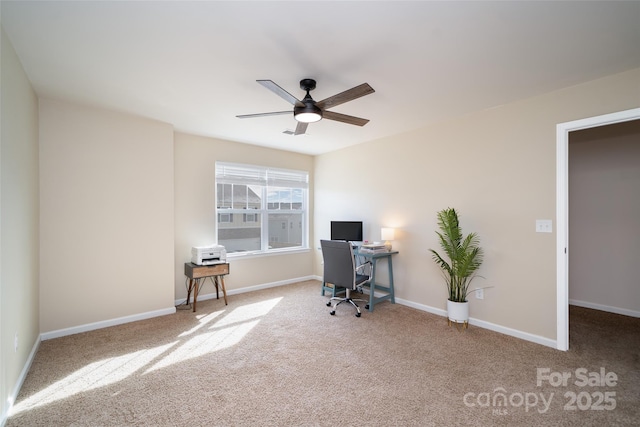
198 273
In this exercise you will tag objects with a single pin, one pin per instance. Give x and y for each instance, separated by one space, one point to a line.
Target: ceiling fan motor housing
307 84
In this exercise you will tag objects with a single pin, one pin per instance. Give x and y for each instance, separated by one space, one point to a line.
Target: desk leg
224 290
195 293
393 298
372 284
189 289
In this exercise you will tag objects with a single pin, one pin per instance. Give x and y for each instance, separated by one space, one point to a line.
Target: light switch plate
544 226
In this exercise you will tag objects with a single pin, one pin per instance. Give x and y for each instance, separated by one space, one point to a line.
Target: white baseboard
16 389
548 342
105 323
486 325
607 308
212 295
422 307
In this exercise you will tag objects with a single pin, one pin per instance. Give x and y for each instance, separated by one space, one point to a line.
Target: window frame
265 177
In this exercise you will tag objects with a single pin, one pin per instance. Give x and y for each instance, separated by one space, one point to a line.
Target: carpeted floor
277 358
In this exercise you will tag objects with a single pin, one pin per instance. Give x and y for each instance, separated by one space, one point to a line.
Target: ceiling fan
309 111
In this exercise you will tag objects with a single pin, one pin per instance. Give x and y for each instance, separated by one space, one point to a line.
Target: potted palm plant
461 259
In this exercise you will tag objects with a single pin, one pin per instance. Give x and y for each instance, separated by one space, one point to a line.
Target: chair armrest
361 266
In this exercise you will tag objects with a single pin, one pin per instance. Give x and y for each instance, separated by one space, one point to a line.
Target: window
250 217
225 217
272 204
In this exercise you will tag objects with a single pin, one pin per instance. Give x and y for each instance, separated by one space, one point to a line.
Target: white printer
208 255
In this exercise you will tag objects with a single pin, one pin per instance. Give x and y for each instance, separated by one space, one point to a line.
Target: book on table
373 248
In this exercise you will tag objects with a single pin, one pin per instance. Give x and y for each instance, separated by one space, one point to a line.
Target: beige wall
19 222
604 217
195 222
106 200
497 167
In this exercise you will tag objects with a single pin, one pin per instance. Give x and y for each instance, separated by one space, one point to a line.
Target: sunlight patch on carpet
226 332
203 320
247 312
92 376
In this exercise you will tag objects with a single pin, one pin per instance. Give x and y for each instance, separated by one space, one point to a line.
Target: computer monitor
351 231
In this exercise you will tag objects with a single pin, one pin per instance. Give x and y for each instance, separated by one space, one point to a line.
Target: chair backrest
339 264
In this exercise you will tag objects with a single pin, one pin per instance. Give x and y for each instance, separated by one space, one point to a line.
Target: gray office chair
341 271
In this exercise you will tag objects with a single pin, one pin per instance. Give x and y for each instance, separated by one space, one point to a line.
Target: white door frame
562 211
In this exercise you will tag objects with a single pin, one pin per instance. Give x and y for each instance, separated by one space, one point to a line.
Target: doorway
562 212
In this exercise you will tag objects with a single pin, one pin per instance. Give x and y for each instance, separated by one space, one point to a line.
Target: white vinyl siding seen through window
261 209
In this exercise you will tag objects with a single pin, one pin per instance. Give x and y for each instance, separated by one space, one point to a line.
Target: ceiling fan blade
347 95
339 117
301 128
275 113
280 92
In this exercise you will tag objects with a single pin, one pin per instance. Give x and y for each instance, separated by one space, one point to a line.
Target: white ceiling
195 64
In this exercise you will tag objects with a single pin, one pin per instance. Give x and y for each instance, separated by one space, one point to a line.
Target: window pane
285 230
246 196
279 198
223 195
239 235
254 197
239 196
297 199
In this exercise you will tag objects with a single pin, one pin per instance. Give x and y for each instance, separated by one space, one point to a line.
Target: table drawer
194 271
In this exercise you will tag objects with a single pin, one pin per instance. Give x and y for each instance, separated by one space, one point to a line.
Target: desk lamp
387 234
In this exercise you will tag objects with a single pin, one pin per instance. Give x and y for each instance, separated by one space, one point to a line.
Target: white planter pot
458 312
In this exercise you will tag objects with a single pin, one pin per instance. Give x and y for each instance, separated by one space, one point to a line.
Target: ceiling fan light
308 117
307 114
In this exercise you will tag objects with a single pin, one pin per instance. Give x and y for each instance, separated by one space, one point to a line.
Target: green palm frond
464 253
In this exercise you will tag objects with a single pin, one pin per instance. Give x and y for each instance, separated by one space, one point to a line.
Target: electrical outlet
544 226
479 293
15 343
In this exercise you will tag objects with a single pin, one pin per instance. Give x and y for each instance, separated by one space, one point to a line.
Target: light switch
544 226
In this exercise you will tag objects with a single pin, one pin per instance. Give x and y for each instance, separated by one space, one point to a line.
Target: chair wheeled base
340 300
